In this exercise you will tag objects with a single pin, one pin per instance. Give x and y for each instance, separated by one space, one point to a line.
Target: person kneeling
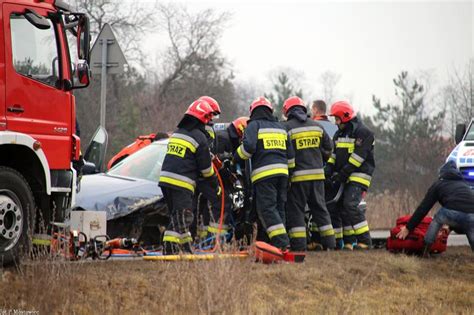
457 207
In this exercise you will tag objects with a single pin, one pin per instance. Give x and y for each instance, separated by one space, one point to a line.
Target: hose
217 246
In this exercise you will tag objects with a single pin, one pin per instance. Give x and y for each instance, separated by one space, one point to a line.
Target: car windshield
470 132
144 164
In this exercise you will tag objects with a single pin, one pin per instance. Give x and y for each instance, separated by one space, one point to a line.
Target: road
453 239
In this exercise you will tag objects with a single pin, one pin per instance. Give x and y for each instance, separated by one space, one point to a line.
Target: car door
35 103
95 152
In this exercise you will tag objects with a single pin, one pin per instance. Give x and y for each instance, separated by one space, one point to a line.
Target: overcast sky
368 42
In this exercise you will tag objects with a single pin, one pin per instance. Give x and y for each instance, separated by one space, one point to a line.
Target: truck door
35 104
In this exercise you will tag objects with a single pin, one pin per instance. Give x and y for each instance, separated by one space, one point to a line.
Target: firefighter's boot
170 248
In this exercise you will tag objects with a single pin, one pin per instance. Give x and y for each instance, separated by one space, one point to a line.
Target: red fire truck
44 53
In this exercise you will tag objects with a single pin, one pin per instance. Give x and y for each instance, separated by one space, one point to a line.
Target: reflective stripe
345 145
244 155
272 130
357 157
345 140
291 163
326 230
275 230
177 180
305 129
314 228
338 232
210 131
332 159
273 139
172 236
354 162
186 238
214 228
361 178
297 232
348 230
361 228
305 175
187 138
208 172
202 232
317 134
184 142
268 170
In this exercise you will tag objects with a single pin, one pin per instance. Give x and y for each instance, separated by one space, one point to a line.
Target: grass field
333 282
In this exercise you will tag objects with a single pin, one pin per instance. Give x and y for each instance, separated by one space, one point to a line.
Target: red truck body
38 143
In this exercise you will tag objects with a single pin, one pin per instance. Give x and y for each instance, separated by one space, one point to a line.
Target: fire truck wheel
16 208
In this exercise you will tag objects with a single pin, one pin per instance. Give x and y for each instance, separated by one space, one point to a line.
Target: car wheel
16 207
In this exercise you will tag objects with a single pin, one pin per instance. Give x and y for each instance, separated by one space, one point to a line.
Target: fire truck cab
44 53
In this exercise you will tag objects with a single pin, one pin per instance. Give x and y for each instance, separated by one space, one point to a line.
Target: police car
463 153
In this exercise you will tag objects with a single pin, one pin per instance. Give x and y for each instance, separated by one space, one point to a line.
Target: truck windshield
470 132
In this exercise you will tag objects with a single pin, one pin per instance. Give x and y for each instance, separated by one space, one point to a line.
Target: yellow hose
190 257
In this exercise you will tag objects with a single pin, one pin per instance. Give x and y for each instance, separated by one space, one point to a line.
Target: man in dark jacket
312 147
267 144
457 206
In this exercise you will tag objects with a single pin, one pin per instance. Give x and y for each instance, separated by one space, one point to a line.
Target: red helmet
292 102
201 110
342 110
213 103
260 101
240 124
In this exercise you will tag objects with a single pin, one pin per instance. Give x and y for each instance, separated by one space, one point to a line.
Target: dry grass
384 209
336 282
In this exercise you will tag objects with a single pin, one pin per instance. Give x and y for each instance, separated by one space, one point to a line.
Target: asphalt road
453 239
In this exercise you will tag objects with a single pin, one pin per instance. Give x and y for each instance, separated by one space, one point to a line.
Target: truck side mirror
37 20
83 73
460 132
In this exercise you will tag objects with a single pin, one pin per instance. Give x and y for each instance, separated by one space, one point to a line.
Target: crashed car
128 193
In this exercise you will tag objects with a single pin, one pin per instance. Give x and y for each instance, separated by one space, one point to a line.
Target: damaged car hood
119 196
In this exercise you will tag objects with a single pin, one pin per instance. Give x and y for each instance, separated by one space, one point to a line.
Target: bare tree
193 43
329 81
458 96
130 20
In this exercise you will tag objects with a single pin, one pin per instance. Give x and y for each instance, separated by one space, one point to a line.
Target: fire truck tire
16 213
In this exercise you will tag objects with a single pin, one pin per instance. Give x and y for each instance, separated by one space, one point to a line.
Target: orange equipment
140 143
269 254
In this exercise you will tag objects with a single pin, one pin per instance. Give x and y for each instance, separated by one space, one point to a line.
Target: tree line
413 134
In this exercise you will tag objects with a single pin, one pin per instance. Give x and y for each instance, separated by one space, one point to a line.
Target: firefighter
187 158
208 195
228 140
312 147
267 144
351 165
